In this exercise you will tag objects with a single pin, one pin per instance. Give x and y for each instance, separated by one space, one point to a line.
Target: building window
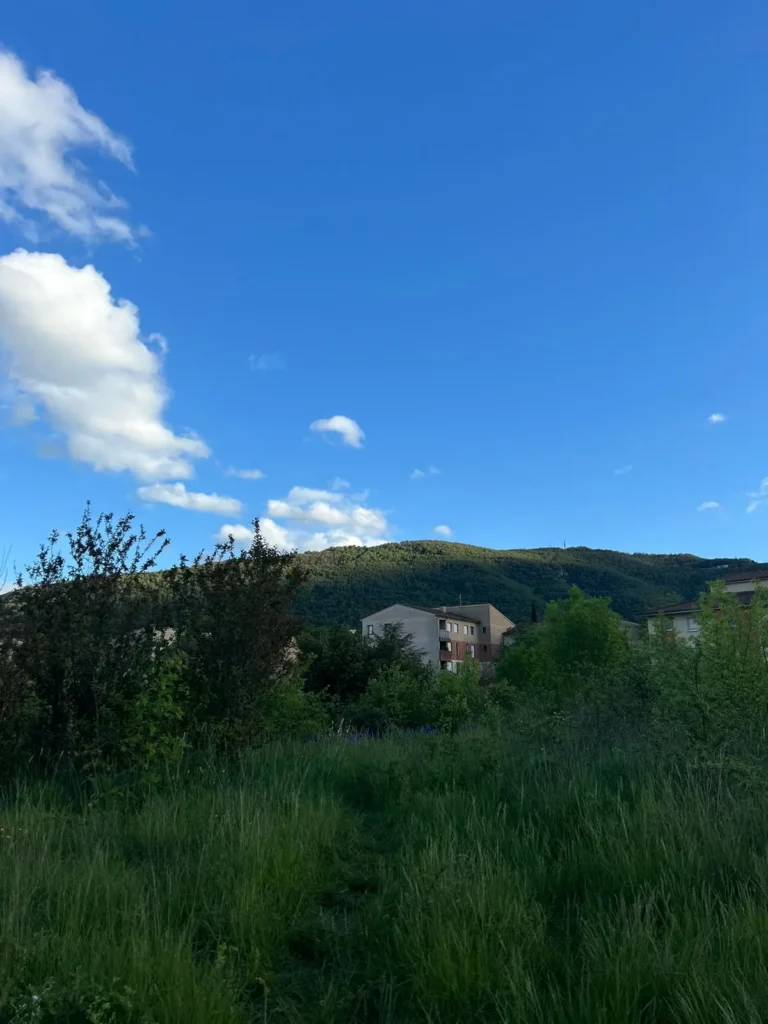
485 630
670 625
455 627
466 629
472 630
443 625
445 645
693 626
370 630
485 648
471 650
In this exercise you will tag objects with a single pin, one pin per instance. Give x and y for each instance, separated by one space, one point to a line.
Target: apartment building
682 618
446 636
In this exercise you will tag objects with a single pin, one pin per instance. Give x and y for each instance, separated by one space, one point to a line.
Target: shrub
341 662
233 621
291 712
81 643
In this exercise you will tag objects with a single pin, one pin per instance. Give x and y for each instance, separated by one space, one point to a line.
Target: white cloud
339 484
419 474
349 431
706 505
623 470
267 361
245 474
716 417
178 496
42 125
78 357
759 497
323 519
444 531
302 495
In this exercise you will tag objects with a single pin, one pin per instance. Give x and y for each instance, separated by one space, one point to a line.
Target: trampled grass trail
412 879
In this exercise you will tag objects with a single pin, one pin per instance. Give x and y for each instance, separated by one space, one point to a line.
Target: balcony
446 656
445 634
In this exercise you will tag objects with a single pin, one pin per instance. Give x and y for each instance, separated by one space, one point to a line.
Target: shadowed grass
417 878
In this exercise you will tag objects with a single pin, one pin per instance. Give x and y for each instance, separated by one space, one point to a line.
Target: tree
80 632
341 662
232 613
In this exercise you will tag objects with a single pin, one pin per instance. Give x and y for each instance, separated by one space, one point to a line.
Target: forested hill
348 583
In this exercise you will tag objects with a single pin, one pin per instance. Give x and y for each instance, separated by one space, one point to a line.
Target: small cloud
339 484
623 470
245 474
159 340
759 497
706 505
419 474
444 531
349 431
266 361
178 496
716 417
303 495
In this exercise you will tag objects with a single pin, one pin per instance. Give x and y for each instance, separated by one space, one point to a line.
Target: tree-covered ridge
347 583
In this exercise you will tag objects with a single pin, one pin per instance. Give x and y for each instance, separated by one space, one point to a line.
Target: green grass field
417 878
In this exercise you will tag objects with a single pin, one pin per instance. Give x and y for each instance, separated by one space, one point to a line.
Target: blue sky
521 247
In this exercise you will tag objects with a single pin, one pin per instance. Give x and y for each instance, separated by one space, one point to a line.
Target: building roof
746 576
691 606
676 609
445 614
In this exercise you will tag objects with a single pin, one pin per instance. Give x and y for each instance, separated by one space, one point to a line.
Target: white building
683 618
446 636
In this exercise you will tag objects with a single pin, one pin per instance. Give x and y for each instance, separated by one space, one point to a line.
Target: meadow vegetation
208 813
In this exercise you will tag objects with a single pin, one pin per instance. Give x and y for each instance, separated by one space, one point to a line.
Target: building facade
682 618
446 636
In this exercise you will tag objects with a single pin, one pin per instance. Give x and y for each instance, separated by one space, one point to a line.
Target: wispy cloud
758 497
716 417
348 430
42 126
339 484
419 474
444 531
245 474
77 358
623 470
195 501
266 361
705 506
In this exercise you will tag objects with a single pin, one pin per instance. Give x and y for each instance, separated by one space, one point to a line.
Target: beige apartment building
682 618
448 635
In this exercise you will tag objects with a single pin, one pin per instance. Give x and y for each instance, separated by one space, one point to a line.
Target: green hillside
348 583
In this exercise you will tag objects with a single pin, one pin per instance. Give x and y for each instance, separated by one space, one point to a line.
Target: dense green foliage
102 666
492 876
238 822
345 584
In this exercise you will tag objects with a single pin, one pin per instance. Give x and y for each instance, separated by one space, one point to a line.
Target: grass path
417 879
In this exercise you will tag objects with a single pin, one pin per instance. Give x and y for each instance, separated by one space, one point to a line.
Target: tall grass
416 878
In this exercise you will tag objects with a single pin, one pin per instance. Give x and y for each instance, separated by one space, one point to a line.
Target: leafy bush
413 697
291 712
579 640
233 621
81 637
341 662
